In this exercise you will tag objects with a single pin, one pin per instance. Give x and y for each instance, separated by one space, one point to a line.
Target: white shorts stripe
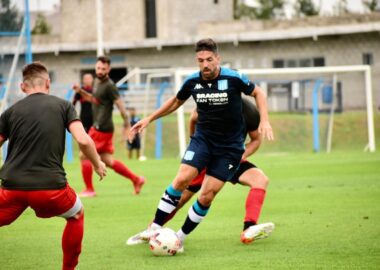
194 217
73 210
166 207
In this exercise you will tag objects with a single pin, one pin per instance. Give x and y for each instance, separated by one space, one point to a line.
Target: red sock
120 168
87 174
72 242
253 204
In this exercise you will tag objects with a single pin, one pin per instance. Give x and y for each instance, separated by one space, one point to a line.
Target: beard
101 77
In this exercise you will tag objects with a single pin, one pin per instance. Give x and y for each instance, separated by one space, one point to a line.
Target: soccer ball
164 242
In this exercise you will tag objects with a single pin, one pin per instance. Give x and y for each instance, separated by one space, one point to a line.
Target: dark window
291 63
278 63
367 59
319 62
216 1
150 19
305 62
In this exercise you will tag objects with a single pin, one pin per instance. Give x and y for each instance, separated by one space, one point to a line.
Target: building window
319 62
368 59
278 63
305 62
150 19
216 1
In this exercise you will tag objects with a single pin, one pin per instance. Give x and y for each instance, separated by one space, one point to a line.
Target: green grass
325 207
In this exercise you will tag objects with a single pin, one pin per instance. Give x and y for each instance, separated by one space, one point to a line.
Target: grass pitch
325 207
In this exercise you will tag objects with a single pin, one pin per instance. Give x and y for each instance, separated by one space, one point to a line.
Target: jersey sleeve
71 114
4 126
113 92
245 84
184 93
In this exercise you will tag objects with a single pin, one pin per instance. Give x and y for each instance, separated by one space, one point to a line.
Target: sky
326 5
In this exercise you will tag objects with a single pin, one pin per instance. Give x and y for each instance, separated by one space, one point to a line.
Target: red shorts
45 203
102 140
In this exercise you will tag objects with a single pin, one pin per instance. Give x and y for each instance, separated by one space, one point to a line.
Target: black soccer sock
167 204
196 214
248 224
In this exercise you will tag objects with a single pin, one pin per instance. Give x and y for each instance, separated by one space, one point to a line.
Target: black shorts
221 161
135 144
196 184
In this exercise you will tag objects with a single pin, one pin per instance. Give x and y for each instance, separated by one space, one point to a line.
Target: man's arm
265 128
85 95
120 105
254 144
168 107
87 146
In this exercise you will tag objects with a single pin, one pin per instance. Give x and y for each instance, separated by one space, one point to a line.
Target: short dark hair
33 71
104 60
206 44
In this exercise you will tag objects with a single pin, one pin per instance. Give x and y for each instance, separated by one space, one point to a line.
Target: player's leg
66 204
12 204
258 182
167 204
120 168
197 212
87 172
188 193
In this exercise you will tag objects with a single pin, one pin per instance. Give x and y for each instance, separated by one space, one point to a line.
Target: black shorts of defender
221 161
135 144
244 166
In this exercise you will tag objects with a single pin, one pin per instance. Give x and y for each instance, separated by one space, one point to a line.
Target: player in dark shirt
104 97
247 174
86 107
218 142
33 175
135 145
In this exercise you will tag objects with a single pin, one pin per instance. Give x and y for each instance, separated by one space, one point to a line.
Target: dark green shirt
36 129
106 93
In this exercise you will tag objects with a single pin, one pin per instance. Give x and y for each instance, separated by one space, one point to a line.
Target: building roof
238 31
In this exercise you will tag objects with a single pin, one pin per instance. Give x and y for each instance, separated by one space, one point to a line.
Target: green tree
306 8
266 10
370 4
41 26
10 19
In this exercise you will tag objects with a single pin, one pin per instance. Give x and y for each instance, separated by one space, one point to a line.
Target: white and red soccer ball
164 242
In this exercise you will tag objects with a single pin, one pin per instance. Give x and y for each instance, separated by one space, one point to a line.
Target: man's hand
265 129
138 128
101 170
76 87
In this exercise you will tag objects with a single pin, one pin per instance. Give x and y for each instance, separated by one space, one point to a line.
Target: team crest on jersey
222 85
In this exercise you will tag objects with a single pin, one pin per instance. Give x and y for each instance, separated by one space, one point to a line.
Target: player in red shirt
103 98
33 175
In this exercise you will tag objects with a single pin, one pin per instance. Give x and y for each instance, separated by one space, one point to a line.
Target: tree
265 10
10 19
371 5
41 26
306 8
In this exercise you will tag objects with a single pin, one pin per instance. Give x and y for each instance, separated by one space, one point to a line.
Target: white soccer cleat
142 237
256 232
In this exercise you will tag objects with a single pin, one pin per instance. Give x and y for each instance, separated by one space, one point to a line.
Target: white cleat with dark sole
256 232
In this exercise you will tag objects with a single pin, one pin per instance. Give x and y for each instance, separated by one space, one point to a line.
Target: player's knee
206 198
262 181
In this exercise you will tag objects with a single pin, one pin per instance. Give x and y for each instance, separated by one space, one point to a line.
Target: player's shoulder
192 77
233 73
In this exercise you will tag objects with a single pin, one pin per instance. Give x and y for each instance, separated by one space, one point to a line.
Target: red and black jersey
36 129
85 110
